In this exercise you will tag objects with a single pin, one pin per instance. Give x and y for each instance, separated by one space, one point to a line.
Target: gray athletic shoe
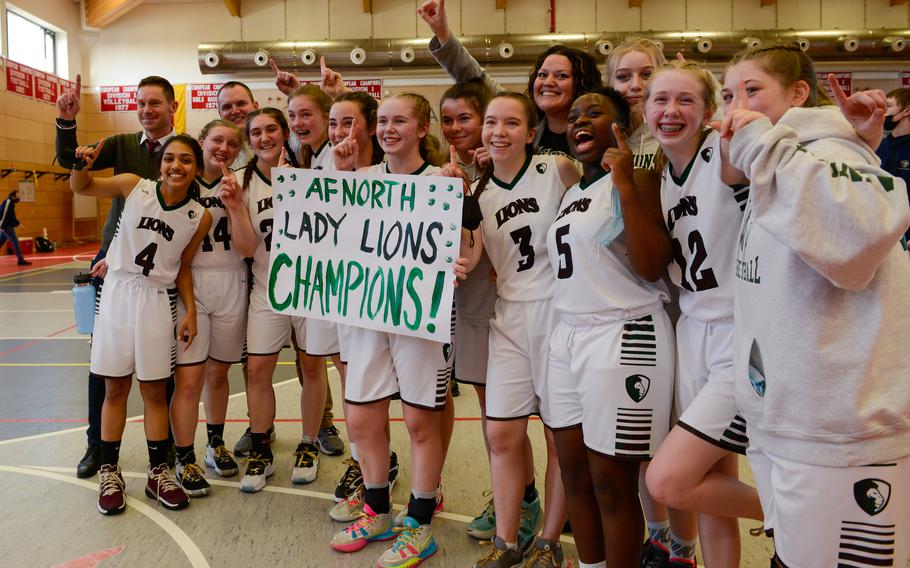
330 442
245 443
500 556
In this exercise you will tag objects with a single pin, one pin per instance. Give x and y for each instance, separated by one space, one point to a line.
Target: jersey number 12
702 279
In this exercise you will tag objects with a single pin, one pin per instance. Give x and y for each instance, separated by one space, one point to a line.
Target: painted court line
34 341
183 540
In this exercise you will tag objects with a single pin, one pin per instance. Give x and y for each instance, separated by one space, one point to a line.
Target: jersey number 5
702 279
522 238
565 253
146 258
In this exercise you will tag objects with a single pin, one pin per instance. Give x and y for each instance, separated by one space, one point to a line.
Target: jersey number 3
522 238
702 279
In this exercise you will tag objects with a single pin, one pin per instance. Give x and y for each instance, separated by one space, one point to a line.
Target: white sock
601 564
354 451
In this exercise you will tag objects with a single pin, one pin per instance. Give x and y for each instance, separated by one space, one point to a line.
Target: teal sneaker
530 523
483 526
415 543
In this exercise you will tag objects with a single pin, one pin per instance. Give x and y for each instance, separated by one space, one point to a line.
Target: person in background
129 153
8 224
894 150
235 102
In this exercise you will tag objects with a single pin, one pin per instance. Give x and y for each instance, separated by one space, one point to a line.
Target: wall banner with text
844 79
372 250
118 98
905 78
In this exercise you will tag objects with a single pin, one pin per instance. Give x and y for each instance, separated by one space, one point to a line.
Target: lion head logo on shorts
872 495
637 386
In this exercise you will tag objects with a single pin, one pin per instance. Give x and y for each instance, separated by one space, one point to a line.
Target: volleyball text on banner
118 98
844 79
372 250
204 96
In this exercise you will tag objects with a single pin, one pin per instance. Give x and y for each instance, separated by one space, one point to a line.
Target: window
31 43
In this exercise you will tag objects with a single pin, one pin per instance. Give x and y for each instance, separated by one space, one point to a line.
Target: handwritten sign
45 87
905 78
204 96
370 250
19 78
118 98
844 79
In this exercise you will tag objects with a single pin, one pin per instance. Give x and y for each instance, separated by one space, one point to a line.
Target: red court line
201 421
28 344
8 266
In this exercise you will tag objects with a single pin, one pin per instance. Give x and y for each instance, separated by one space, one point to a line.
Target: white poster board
370 250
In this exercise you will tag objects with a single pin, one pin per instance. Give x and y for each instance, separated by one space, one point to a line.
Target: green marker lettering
414 274
281 261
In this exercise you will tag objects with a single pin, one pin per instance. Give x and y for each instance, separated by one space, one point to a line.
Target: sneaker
162 487
529 524
414 544
654 555
111 500
90 462
245 443
350 482
366 529
23 263
455 390
500 556
306 463
440 506
545 554
192 479
349 509
219 458
330 442
483 526
258 468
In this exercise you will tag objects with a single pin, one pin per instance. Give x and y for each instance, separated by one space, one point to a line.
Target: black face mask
889 122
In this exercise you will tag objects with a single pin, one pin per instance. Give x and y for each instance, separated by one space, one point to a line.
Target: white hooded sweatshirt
821 360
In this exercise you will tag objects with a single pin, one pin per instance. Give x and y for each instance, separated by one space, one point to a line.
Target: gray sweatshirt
821 365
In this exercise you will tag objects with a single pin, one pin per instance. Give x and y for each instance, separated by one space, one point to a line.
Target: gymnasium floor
49 517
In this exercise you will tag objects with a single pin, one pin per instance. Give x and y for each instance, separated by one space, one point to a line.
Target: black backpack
44 245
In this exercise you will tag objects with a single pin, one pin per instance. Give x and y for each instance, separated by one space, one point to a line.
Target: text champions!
371 250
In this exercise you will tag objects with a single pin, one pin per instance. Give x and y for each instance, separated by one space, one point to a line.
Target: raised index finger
224 171
741 101
620 136
840 97
322 65
78 83
275 68
453 155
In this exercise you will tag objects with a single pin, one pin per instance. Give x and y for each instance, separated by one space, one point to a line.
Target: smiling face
178 165
221 146
632 73
553 85
675 109
397 127
307 120
765 92
266 138
154 110
234 104
506 131
590 129
342 116
461 125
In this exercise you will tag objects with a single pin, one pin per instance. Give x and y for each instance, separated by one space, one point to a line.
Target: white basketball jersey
322 159
644 146
151 236
588 254
516 217
216 250
259 202
703 216
427 169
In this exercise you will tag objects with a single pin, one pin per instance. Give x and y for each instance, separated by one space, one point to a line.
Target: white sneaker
258 469
219 458
306 463
348 510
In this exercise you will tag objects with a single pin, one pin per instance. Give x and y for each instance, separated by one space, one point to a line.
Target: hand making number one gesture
68 103
286 82
865 111
619 159
231 191
345 152
88 155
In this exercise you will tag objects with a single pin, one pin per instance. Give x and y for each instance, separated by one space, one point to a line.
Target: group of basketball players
768 218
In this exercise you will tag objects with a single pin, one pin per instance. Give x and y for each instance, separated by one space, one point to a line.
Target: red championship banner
844 79
118 98
905 78
65 86
371 86
20 79
204 96
46 87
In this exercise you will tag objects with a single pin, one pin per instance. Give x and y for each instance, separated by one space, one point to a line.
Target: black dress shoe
90 462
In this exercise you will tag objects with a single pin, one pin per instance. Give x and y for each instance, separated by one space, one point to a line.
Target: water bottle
84 303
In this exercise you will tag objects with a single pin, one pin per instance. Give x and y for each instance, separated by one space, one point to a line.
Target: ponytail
291 156
248 171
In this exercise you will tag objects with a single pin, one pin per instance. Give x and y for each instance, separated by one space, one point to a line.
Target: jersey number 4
702 279
146 258
221 235
522 238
